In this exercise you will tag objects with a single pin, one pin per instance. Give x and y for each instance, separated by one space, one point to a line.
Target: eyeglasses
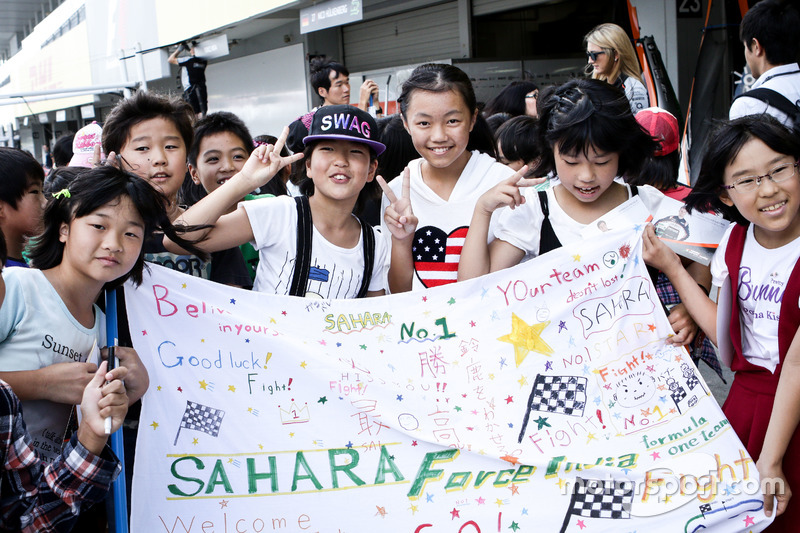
594 55
776 175
532 95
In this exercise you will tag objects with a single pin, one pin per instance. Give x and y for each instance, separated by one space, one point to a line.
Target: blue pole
118 489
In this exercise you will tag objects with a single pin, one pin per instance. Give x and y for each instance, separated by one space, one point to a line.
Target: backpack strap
302 263
548 240
774 99
368 244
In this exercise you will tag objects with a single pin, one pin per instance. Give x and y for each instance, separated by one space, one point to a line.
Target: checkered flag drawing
200 417
600 498
565 395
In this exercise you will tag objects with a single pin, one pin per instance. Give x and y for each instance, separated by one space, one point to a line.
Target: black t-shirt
195 69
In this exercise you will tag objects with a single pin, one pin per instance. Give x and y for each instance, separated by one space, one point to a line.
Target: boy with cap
331 253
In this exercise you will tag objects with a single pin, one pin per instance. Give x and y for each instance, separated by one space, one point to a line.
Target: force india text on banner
539 398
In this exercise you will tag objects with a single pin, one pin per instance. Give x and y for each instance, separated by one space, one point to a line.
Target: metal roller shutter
412 37
487 7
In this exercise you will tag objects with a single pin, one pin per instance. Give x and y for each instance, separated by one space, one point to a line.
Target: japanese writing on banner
540 398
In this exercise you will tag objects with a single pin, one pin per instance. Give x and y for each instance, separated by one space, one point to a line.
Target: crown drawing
295 414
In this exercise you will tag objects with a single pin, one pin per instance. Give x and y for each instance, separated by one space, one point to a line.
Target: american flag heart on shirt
436 254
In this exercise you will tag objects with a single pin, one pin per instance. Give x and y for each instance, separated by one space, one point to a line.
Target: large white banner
540 398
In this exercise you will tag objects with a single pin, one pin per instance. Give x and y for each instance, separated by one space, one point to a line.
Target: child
92 240
222 144
439 111
517 142
150 135
589 136
749 172
21 201
49 497
331 254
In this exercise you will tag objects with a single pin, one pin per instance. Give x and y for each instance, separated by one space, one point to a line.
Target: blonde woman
612 59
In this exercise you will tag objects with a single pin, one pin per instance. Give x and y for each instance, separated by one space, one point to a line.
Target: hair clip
256 144
63 193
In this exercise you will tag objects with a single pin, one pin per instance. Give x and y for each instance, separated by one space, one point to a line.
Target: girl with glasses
750 174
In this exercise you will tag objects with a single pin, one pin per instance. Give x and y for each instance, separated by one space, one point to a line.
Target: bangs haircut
91 190
774 24
144 106
438 78
371 190
587 113
219 122
511 99
18 171
723 146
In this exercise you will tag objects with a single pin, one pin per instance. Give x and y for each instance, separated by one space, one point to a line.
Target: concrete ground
718 388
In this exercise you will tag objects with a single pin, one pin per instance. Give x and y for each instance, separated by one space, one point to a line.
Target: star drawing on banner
322 400
158 388
522 381
577 257
233 301
303 364
428 497
581 524
651 327
283 313
180 389
480 500
399 397
451 301
499 502
362 346
562 325
231 388
144 332
203 385
514 488
413 509
183 286
349 445
526 339
381 511
655 455
510 459
748 521
472 323
454 514
223 504
155 425
548 366
509 399
542 422
513 526
195 441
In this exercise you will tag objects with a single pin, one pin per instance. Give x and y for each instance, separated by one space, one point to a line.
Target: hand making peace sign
399 216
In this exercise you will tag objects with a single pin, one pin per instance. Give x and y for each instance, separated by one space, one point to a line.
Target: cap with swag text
344 123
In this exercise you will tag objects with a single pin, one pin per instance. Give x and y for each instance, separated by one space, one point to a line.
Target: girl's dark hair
93 189
144 105
400 149
496 120
370 192
511 99
438 78
660 171
518 139
723 146
584 113
61 178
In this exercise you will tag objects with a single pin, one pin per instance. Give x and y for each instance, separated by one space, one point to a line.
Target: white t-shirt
763 274
779 80
37 330
443 224
335 272
521 227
